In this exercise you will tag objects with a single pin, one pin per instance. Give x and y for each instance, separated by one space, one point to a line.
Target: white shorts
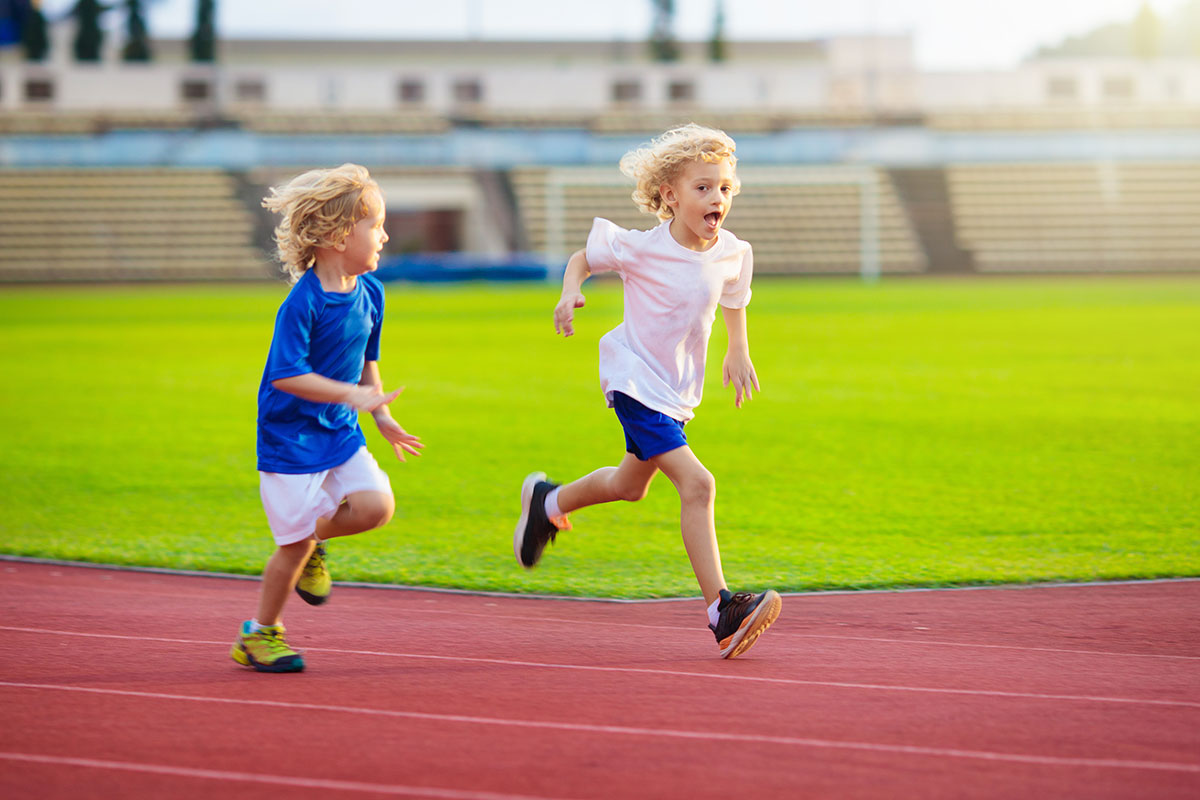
294 503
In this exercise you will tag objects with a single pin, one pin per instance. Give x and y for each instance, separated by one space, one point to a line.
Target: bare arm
576 273
401 440
737 367
364 396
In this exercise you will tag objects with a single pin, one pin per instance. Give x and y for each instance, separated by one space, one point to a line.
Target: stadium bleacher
1065 119
1104 216
86 223
125 224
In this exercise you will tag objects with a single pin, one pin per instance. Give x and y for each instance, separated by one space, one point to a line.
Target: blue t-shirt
331 334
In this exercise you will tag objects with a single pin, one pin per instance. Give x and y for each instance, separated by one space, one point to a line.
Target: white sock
552 509
256 626
713 614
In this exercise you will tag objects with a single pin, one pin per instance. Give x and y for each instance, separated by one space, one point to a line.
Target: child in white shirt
652 364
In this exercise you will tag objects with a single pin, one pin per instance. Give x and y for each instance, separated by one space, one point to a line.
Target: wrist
349 394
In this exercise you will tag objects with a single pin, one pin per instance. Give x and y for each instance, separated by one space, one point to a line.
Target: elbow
579 261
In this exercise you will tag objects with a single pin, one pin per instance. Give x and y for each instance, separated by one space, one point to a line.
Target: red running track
119 684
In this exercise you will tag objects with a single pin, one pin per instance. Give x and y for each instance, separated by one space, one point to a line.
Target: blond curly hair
318 209
664 158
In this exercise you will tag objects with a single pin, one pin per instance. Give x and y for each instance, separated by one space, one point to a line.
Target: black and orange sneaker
742 619
534 529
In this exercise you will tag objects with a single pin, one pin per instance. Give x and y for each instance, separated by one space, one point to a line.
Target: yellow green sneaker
315 584
265 650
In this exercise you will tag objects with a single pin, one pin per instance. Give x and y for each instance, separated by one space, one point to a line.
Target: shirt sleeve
372 353
605 249
290 347
737 291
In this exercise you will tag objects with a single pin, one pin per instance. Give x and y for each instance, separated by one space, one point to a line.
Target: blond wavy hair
318 209
664 158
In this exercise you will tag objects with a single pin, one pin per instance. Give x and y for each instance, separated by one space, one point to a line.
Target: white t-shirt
657 355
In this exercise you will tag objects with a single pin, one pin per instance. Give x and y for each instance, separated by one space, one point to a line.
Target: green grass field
910 433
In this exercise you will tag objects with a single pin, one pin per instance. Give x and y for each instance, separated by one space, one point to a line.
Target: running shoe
315 584
535 530
265 650
742 619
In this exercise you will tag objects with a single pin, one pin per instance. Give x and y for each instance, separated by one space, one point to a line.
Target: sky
947 34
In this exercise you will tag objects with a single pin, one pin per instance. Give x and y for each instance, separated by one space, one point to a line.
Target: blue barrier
457 267
503 149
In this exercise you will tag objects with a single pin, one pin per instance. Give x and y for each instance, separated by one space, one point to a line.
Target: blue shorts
648 433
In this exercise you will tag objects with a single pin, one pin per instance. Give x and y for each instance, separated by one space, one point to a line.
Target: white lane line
776 633
626 730
659 672
940 643
278 780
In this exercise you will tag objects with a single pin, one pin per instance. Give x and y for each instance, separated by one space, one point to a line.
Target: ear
667 193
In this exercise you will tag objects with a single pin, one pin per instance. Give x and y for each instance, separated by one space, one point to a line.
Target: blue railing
504 148
457 267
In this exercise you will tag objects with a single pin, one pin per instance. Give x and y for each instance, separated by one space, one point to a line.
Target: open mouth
713 218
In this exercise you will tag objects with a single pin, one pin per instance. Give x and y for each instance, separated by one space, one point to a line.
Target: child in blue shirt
317 478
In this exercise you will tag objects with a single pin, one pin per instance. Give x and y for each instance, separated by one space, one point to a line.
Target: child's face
364 244
701 197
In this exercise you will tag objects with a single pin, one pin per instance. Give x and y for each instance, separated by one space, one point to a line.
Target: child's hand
564 312
738 369
368 398
402 441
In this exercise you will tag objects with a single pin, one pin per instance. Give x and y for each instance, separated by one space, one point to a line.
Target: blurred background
137 138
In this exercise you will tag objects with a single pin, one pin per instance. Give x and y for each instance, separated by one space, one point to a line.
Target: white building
868 75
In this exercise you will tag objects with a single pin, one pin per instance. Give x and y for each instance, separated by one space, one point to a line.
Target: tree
35 37
716 45
89 36
137 40
663 46
204 39
1146 31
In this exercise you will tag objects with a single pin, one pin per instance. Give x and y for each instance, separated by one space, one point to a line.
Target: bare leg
279 576
697 494
628 481
362 511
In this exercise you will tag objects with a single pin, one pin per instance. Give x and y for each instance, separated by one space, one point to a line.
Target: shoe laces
737 604
560 523
272 639
316 561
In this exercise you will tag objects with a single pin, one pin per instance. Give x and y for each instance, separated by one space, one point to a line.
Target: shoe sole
531 480
312 599
753 626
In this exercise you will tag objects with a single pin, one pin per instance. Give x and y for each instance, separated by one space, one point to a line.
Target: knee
631 492
376 510
699 488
